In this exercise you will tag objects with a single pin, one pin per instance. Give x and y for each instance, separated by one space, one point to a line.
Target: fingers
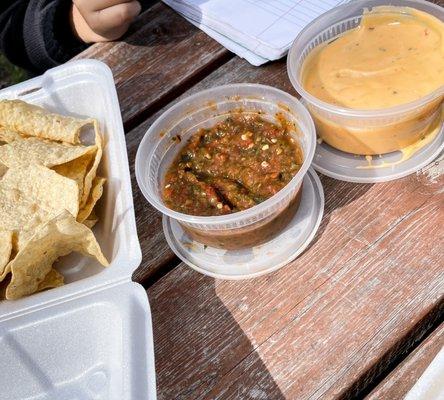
116 16
108 18
97 5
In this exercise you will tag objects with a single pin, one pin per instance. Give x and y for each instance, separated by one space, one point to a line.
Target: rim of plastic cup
295 54
312 180
257 209
386 174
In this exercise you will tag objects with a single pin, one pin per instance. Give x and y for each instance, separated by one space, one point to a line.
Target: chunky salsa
236 164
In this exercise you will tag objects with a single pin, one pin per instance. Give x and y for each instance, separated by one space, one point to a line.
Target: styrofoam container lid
92 338
385 167
259 260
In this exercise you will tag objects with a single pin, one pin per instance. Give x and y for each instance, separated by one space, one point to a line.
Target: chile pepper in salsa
236 164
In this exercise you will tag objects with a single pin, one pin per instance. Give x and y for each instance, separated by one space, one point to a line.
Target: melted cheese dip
392 58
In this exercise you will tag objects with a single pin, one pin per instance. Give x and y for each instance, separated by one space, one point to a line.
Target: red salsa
236 164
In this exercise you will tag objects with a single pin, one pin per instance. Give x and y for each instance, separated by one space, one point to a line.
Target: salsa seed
264 164
219 206
274 140
265 147
204 194
244 137
167 186
207 156
278 151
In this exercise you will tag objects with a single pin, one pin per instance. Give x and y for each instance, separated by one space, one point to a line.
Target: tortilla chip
31 120
5 250
6 271
30 197
3 169
91 174
3 285
52 279
8 136
76 170
91 220
95 195
44 186
40 151
55 239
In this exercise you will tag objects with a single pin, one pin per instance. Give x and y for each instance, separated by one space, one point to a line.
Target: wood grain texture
161 56
153 243
401 380
314 328
324 326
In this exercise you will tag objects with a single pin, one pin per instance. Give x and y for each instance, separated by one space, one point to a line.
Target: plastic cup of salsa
171 131
405 123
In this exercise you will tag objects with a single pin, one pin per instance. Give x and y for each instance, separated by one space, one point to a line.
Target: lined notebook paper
258 30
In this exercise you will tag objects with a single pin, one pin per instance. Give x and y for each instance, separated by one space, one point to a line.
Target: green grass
9 73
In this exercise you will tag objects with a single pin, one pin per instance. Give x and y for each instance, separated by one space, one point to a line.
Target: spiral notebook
257 30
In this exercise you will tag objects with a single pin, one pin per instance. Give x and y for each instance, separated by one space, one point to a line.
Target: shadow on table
201 351
337 194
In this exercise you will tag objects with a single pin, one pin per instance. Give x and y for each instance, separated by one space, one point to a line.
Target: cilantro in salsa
236 164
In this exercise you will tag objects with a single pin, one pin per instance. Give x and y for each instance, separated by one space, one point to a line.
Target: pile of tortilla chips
48 189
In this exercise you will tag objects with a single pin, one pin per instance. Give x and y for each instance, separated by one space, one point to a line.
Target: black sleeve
36 34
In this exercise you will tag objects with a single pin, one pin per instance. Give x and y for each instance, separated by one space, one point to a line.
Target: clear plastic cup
159 147
364 132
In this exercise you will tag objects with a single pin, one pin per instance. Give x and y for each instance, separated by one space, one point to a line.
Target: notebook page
229 44
265 27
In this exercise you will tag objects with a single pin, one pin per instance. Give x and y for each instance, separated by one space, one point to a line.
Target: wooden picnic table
338 322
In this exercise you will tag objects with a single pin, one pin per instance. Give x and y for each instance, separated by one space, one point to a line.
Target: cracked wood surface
324 326
316 327
327 325
399 382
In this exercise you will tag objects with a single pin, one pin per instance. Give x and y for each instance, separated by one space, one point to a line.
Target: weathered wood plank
153 243
158 19
162 57
318 326
314 328
401 380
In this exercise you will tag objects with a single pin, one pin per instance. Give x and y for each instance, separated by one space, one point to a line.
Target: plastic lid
359 169
260 260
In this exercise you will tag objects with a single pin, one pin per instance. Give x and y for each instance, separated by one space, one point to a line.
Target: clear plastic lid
382 168
259 260
356 131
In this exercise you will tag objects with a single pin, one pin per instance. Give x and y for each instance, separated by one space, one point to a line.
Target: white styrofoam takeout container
92 338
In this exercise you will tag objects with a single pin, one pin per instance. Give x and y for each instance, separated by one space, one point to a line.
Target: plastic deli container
92 337
405 123
203 110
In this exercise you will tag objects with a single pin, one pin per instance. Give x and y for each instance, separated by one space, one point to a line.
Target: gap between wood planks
160 272
397 354
135 121
404 377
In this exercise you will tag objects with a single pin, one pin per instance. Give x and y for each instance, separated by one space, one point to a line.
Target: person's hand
102 20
